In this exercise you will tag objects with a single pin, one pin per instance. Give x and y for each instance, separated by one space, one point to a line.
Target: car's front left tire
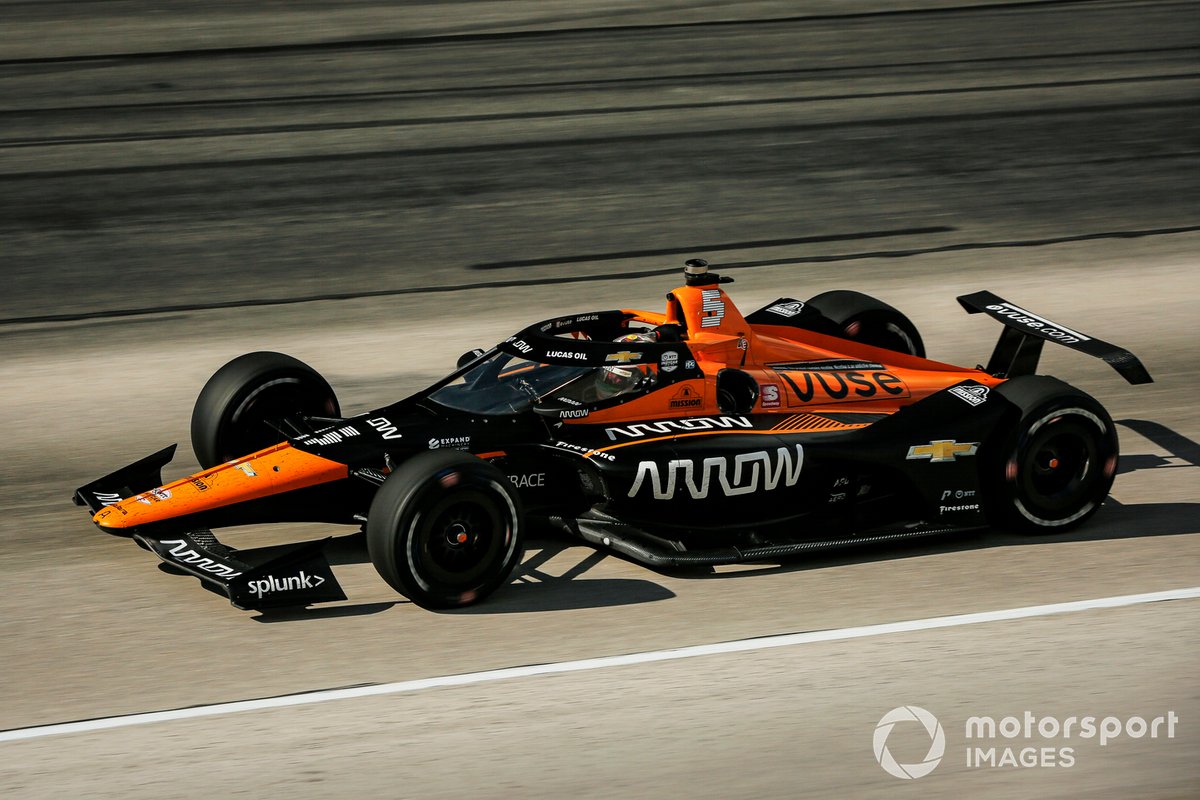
245 402
446 529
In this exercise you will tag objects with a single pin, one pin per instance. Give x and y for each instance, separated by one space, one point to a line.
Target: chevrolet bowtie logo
623 357
942 450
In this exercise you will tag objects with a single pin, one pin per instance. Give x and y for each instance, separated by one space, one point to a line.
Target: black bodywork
685 491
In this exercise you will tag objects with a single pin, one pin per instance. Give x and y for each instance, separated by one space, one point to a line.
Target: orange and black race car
689 438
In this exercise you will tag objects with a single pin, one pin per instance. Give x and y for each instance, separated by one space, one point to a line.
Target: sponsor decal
572 354
573 413
520 344
455 442
686 397
787 309
199 484
154 496
689 425
852 385
334 436
1053 330
384 428
689 364
730 476
535 480
107 498
743 344
568 321
587 451
837 497
669 361
249 470
546 327
828 365
622 357
712 308
957 494
769 392
942 450
568 401
182 551
973 395
958 508
293 583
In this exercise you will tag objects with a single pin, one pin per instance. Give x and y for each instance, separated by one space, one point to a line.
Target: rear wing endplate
1020 345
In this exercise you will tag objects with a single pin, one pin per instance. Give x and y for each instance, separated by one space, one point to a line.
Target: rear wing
1020 345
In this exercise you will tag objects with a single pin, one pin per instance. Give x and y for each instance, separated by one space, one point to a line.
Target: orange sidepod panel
274 470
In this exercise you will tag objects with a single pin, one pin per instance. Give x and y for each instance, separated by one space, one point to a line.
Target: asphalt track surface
376 188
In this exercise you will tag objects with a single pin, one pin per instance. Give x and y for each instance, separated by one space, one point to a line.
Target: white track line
739 646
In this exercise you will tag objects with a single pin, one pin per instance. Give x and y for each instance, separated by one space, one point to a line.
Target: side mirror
736 392
468 357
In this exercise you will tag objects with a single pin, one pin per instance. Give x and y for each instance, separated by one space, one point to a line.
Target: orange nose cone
277 469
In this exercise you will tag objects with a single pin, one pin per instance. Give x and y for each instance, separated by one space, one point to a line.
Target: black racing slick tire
242 404
446 529
1052 466
862 318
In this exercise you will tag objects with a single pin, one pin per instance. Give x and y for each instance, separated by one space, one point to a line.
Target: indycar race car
690 438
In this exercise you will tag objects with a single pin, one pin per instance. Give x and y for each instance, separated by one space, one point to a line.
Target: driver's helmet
618 380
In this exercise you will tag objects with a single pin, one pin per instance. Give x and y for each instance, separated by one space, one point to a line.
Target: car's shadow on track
533 589
322 612
1115 520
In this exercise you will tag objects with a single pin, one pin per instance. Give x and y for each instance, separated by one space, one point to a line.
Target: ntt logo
933 728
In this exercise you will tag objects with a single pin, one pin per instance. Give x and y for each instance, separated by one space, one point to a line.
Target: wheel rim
1058 469
459 540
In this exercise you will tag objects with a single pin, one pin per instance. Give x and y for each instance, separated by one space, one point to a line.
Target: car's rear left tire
239 409
446 529
1052 466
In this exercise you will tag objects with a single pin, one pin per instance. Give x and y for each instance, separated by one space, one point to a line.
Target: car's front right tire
445 530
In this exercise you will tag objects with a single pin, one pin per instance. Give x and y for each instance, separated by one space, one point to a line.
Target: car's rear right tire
1052 467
